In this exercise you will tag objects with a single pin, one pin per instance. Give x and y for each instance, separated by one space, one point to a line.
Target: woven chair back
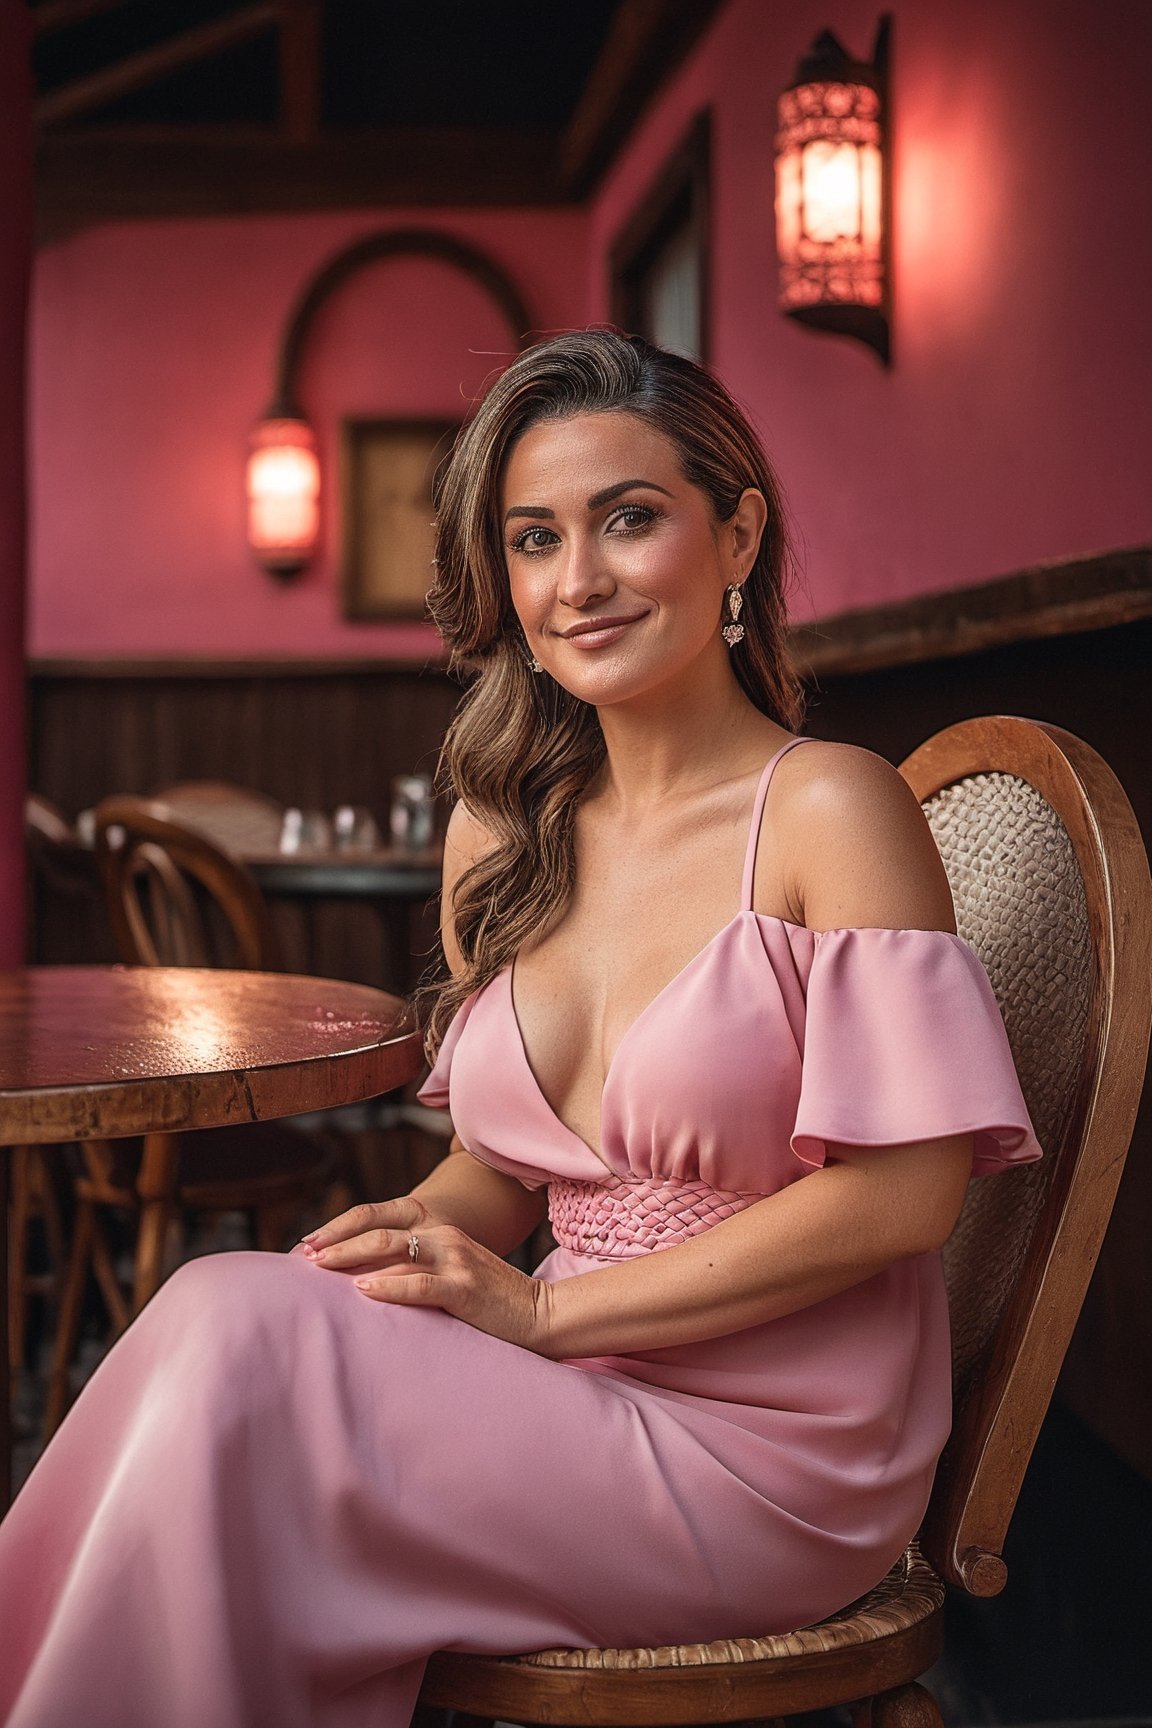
174 897
1038 878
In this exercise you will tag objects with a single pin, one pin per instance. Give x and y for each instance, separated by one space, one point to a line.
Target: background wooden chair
35 1196
1051 887
175 898
54 849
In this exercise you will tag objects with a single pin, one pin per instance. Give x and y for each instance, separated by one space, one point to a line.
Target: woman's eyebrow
596 502
610 492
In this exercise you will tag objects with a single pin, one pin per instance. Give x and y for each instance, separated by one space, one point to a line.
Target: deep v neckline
664 990
746 910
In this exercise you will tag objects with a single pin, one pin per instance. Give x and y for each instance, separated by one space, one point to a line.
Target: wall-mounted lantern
283 493
833 211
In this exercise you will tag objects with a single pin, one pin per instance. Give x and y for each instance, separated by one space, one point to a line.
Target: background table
93 1051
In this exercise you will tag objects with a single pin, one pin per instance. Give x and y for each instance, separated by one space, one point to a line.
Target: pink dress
275 1497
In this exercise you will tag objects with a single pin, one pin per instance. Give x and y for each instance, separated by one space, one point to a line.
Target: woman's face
616 563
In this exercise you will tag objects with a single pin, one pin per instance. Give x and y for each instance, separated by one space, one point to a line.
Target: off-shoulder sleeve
434 1091
904 1041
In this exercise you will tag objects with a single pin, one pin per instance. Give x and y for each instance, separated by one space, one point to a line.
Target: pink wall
1014 427
153 353
15 248
1016 423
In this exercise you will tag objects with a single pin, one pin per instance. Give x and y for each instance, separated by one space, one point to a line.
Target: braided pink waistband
616 1219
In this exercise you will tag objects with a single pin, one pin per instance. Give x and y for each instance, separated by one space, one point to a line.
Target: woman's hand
448 1269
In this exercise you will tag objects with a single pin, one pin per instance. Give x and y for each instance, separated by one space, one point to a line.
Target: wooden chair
1051 887
54 849
35 1195
175 898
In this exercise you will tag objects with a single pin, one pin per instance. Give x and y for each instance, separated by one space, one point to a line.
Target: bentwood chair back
175 897
1051 887
238 818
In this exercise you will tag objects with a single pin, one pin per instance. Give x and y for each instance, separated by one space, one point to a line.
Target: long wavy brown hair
522 751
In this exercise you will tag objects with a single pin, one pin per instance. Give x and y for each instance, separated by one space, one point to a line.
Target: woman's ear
747 523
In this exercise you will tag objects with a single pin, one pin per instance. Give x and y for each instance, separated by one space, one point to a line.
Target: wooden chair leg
51 1185
68 1320
156 1186
20 1165
906 1707
119 1310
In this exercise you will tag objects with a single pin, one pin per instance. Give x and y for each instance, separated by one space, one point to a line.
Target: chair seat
893 1632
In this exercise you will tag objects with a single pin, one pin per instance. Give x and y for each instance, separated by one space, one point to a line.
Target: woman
705 994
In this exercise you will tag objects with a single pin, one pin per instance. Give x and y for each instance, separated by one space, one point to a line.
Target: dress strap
748 885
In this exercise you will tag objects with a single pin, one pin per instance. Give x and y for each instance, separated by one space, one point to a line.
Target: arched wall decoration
390 243
283 467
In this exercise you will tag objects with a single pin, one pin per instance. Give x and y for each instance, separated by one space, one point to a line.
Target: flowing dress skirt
276 1498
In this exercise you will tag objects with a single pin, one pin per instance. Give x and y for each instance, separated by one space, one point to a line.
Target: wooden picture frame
388 470
664 250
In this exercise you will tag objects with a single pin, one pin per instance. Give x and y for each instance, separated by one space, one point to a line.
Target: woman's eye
533 540
632 517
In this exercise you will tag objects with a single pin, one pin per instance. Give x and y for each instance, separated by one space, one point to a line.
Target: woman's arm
864 1210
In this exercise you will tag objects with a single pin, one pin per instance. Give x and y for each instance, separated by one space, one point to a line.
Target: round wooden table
89 1052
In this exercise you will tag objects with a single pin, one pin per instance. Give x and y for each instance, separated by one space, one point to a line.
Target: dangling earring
733 630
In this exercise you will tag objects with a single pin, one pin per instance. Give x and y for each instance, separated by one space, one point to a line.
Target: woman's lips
599 632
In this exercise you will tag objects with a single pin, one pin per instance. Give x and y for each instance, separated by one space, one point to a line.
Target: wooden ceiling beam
646 41
124 173
140 70
300 69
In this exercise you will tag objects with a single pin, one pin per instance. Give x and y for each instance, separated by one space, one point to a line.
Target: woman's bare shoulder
856 846
465 843
466 839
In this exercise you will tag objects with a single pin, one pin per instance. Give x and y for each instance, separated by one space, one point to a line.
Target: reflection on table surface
113 1050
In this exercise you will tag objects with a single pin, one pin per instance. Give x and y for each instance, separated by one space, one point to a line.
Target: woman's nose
584 575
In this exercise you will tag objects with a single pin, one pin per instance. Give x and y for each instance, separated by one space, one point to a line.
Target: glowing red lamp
832 192
283 494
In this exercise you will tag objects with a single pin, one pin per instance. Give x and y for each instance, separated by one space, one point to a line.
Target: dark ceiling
520 63
170 107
